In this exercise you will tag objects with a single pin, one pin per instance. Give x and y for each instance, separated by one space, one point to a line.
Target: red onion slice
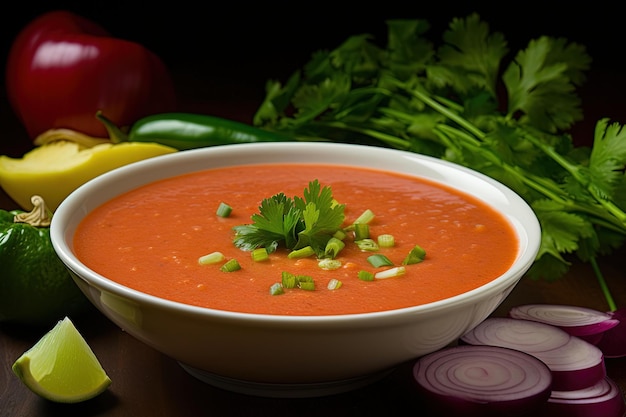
613 342
602 399
586 323
575 363
482 381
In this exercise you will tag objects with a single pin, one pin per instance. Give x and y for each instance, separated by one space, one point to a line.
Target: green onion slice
259 254
301 253
378 260
276 289
366 217
386 241
391 272
329 264
334 284
211 258
416 255
306 285
366 276
333 247
367 245
288 280
231 265
224 210
340 234
361 231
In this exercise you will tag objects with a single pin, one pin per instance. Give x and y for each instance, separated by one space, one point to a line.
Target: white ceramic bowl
327 354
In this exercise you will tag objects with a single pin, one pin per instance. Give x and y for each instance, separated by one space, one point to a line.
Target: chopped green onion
276 289
301 253
391 272
289 280
211 258
386 241
368 245
334 284
224 210
379 260
366 217
306 285
361 231
416 255
259 254
329 264
304 278
231 265
340 234
366 276
333 247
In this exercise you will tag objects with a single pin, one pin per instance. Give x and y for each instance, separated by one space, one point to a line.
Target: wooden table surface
147 383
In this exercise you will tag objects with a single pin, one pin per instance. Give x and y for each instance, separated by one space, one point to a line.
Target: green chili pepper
188 131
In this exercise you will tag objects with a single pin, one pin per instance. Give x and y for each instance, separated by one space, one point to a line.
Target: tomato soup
150 239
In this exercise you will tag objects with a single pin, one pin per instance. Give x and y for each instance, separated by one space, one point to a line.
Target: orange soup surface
150 239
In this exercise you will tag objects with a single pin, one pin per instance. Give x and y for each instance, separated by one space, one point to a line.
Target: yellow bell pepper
57 168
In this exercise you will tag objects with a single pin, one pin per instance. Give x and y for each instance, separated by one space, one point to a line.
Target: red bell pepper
62 68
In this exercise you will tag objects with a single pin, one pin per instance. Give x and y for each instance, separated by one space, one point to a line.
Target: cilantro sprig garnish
295 223
472 101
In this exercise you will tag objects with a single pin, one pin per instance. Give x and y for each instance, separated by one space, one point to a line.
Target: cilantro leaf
606 163
475 52
295 223
539 86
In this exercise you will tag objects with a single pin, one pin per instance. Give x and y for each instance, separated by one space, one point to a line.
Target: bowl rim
61 231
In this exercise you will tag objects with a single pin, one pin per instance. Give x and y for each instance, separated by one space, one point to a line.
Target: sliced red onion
586 323
602 399
482 381
613 342
575 363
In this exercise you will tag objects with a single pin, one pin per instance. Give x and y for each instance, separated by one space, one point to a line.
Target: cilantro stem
573 170
391 140
603 285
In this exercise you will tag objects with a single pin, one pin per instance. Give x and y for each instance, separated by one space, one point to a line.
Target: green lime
35 286
61 366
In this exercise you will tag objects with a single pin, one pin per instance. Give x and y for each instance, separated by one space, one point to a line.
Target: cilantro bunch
295 223
471 101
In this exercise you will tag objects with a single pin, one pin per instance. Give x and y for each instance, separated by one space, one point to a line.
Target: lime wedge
61 366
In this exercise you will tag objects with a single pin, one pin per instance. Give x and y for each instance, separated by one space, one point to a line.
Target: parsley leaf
295 223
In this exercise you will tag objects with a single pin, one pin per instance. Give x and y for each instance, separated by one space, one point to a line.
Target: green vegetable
329 264
231 265
378 260
416 255
35 287
369 245
361 231
223 210
211 258
366 276
259 255
189 131
465 100
333 247
276 289
334 284
391 272
386 241
289 280
297 223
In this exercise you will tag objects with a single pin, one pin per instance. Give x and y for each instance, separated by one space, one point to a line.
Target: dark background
224 52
